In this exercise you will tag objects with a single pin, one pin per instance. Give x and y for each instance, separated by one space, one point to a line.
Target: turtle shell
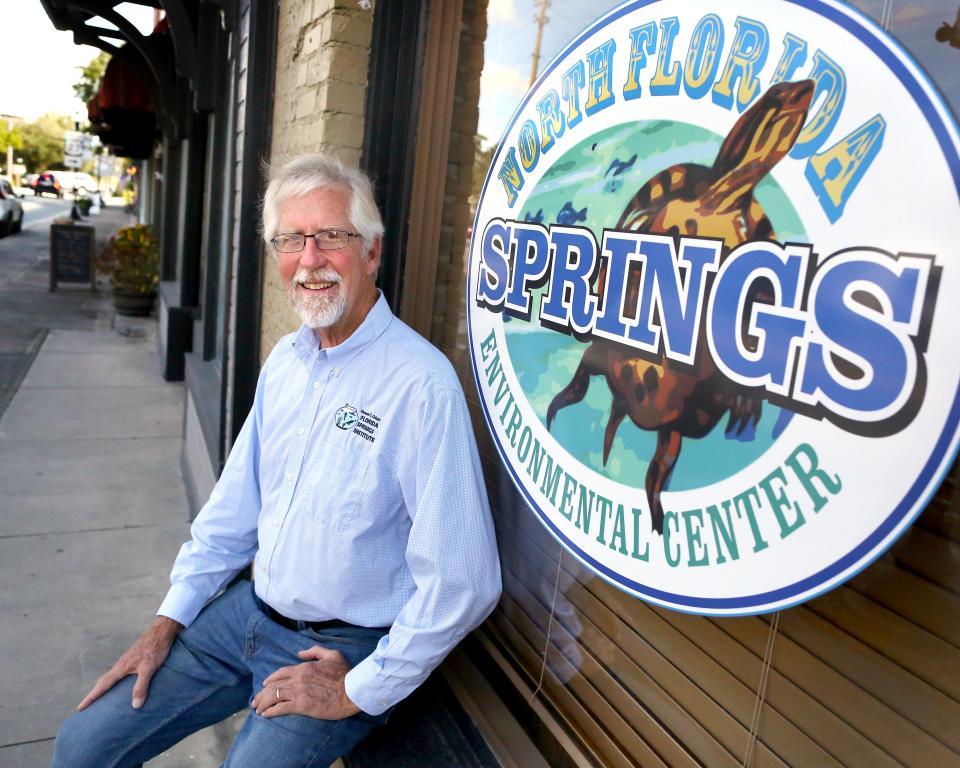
671 203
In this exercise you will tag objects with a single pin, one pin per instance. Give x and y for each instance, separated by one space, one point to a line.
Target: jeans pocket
354 649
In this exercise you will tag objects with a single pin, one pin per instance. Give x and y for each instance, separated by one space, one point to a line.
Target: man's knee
99 735
77 744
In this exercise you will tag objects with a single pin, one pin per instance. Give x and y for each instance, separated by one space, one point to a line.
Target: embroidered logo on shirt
367 426
347 417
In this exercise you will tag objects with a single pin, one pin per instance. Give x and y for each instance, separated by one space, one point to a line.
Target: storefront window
857 676
515 33
930 31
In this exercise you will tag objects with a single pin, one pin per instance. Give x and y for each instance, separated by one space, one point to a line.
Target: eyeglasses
326 240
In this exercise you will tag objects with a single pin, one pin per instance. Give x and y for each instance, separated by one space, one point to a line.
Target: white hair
303 175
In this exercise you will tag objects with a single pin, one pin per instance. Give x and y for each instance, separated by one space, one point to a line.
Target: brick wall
323 50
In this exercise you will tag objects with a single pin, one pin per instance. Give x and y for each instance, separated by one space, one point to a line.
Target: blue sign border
928 480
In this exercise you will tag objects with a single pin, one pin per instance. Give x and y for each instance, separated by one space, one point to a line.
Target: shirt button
336 371
289 477
263 568
316 385
302 431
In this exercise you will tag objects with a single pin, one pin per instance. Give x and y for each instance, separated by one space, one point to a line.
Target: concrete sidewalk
92 513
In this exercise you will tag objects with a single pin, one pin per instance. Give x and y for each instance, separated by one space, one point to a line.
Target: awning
123 113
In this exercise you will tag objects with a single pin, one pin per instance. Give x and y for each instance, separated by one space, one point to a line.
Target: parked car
11 211
84 184
80 183
30 180
48 183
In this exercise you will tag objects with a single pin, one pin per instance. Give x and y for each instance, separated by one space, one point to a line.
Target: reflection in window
516 29
930 31
625 674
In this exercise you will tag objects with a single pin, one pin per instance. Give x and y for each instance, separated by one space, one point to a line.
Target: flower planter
131 259
133 303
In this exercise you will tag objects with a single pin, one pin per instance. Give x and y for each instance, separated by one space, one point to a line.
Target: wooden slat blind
837 694
706 695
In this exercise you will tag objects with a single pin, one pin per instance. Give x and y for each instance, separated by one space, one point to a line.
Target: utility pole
541 22
10 124
10 150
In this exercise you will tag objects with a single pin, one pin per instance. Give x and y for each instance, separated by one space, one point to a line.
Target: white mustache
316 276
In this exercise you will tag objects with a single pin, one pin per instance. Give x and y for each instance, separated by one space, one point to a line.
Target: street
39 212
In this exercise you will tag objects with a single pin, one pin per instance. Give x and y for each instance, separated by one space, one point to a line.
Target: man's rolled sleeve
369 688
182 604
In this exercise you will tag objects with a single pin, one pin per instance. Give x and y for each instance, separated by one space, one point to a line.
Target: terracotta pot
133 303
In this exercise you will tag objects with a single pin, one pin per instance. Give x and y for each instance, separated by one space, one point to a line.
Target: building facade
418 93
597 677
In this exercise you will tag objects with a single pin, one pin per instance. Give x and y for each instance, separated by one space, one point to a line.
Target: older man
354 489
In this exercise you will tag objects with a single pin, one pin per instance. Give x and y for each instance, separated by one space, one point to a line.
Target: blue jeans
213 670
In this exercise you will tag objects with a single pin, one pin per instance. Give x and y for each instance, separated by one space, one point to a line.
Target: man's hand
142 659
314 689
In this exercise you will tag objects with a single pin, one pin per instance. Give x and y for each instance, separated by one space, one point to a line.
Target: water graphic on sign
545 360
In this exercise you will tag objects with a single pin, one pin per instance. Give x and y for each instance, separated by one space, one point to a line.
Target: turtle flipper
744 415
659 472
617 411
576 390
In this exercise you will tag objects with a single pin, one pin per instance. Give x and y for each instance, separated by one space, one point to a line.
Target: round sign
709 299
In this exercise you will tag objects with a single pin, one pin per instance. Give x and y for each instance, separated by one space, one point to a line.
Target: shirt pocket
336 485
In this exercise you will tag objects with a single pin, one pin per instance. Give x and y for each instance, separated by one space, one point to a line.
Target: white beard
317 311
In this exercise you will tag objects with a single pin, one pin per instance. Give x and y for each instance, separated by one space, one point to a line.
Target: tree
481 163
43 142
9 137
90 76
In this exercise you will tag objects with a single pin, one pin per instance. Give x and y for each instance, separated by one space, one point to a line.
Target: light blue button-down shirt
355 488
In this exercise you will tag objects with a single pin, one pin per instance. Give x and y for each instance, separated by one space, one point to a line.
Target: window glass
515 31
930 31
857 675
224 190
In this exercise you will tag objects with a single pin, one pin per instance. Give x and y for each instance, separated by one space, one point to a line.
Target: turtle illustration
693 200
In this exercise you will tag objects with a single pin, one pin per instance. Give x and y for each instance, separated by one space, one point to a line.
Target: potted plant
131 258
84 204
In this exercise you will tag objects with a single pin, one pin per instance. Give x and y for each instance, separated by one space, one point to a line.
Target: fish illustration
569 215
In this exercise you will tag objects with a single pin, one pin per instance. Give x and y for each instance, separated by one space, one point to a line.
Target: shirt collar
306 346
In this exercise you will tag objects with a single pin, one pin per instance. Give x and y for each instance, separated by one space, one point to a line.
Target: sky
42 82
40 63
508 52
512 29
